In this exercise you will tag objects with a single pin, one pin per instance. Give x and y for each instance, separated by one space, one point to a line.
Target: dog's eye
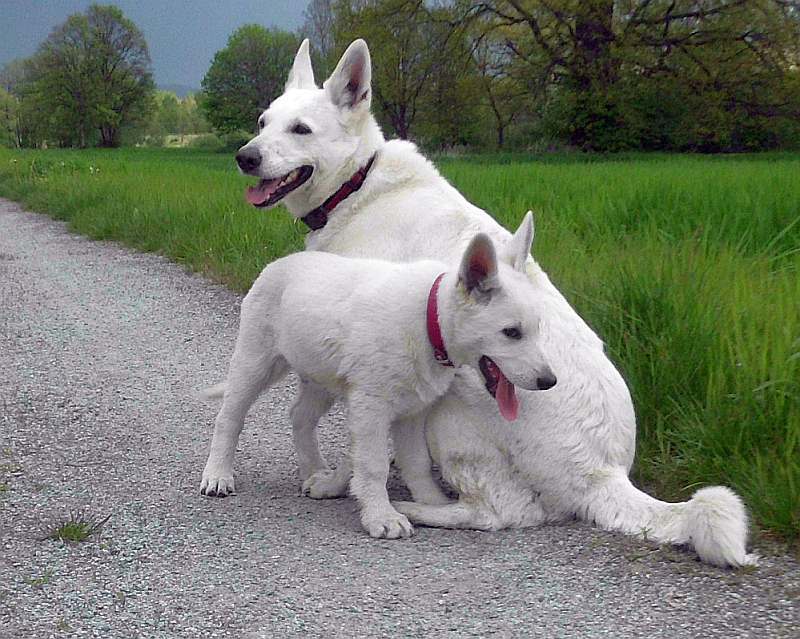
512 332
301 129
261 124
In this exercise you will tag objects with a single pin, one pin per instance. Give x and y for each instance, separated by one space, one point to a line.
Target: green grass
688 267
77 527
186 205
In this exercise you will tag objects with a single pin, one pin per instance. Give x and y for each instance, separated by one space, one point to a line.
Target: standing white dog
321 152
387 337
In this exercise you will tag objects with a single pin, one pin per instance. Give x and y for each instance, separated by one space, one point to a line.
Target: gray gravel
101 351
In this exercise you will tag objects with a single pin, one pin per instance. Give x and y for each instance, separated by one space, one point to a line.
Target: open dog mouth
268 192
500 388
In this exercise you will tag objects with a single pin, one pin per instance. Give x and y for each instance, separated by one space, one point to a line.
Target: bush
224 143
209 142
234 141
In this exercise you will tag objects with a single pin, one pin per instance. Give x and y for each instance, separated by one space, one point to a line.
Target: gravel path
101 350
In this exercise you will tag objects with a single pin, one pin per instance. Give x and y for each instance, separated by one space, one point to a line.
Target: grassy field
688 267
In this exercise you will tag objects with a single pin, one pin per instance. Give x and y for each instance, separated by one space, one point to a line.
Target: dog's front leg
411 455
370 419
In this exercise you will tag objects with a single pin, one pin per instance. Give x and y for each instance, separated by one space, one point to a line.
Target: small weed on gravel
79 527
38 582
11 468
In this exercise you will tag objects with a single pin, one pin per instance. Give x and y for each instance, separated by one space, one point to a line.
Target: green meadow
687 266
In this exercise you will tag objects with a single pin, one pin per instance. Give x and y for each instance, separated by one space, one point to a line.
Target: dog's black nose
248 159
546 381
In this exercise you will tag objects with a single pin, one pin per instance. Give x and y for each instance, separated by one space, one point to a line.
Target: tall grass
186 205
688 267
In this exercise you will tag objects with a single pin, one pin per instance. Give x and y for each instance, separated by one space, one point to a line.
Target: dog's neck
443 289
432 323
317 218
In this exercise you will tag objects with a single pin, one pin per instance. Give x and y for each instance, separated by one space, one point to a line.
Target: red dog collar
318 218
434 330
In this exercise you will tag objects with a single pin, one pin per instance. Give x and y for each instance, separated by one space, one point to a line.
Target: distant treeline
596 75
602 75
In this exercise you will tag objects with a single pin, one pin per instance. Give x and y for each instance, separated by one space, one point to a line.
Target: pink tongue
506 398
260 194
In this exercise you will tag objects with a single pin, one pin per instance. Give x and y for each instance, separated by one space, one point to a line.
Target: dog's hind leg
254 366
311 404
453 515
413 459
330 484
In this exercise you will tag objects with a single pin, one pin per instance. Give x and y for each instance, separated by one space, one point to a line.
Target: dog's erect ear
515 253
478 270
302 74
349 84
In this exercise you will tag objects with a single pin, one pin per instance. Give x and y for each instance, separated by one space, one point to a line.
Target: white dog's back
332 316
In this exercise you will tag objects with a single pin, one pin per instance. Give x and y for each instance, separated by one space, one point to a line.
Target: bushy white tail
716 524
713 521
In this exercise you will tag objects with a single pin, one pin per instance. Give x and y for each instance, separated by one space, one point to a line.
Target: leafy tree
449 106
191 119
8 119
502 81
246 76
733 61
174 116
169 113
420 63
93 74
34 121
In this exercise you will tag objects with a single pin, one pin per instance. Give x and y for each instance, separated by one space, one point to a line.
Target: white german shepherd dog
321 153
388 338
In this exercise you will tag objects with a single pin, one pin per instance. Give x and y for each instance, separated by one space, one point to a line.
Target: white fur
570 452
357 329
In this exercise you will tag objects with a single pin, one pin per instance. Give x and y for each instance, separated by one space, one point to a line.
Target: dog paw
217 486
387 525
326 484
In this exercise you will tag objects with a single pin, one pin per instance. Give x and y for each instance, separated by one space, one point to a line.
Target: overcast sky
183 35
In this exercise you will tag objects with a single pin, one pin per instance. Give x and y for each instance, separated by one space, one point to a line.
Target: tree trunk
593 71
108 136
400 125
594 34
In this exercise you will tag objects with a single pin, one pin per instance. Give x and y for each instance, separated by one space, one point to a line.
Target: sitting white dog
388 338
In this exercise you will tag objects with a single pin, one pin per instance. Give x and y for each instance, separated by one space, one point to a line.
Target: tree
93 74
245 76
418 62
449 105
34 121
731 59
8 119
318 27
505 93
174 116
